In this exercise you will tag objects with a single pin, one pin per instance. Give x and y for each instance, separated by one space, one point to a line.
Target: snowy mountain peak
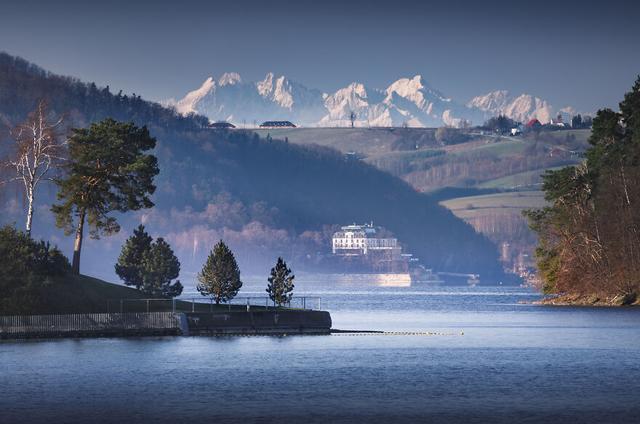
277 89
266 85
188 104
494 100
406 86
352 98
408 101
282 93
229 78
355 90
521 108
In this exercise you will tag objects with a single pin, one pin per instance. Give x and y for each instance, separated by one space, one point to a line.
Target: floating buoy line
394 333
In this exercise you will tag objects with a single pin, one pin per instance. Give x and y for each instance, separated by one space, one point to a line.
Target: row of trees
220 278
589 236
151 266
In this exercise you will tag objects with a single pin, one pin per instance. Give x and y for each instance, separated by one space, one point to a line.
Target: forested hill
264 197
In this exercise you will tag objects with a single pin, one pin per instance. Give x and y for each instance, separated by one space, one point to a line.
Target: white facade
355 240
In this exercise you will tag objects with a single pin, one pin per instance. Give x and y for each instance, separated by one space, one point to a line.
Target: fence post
121 305
147 305
304 303
173 305
193 305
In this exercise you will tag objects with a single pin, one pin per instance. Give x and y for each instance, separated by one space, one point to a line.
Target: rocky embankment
591 300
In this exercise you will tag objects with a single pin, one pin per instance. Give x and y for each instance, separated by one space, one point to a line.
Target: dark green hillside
80 293
265 197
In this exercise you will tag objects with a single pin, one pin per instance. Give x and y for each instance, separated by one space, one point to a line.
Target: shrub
27 267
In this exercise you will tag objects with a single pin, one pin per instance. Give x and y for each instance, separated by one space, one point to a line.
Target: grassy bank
82 294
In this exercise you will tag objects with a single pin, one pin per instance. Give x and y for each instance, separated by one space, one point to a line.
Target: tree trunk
77 246
29 212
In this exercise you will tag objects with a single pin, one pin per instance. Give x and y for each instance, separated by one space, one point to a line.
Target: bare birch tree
37 151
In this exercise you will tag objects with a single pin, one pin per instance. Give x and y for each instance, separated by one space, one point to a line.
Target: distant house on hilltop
221 125
534 124
277 124
558 122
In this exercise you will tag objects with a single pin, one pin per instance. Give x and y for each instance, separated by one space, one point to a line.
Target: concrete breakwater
165 324
259 322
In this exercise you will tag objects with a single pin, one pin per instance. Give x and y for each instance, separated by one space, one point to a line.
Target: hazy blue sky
579 53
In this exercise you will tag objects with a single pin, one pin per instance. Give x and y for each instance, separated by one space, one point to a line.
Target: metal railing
62 324
204 304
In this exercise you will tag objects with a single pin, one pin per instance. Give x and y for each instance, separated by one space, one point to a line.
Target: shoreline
262 322
588 300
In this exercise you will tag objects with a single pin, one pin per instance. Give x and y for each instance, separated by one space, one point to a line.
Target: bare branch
39 149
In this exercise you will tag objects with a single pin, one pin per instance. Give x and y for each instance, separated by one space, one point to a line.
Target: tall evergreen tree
158 268
220 276
589 235
280 287
108 171
129 266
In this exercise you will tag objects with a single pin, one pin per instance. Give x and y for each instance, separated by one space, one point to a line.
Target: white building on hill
359 240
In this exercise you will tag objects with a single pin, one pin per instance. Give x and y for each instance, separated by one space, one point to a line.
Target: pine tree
220 276
159 267
108 171
589 234
129 266
280 287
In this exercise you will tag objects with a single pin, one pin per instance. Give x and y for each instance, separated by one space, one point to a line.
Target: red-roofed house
534 124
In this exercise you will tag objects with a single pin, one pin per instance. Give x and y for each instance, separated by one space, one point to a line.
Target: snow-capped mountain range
406 102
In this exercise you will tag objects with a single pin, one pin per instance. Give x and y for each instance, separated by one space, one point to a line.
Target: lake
494 359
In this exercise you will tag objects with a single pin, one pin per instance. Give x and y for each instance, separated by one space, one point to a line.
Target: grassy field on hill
416 155
479 205
499 217
521 181
364 141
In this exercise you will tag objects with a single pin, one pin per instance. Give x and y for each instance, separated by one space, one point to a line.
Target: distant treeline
266 197
590 235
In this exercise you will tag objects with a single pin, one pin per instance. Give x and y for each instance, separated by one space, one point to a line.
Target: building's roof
277 124
533 122
365 230
221 125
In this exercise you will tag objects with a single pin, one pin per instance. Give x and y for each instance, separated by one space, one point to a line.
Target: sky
584 54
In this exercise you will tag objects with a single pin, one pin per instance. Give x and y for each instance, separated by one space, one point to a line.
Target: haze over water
497 360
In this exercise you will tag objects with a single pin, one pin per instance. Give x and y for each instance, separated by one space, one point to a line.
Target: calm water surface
498 360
